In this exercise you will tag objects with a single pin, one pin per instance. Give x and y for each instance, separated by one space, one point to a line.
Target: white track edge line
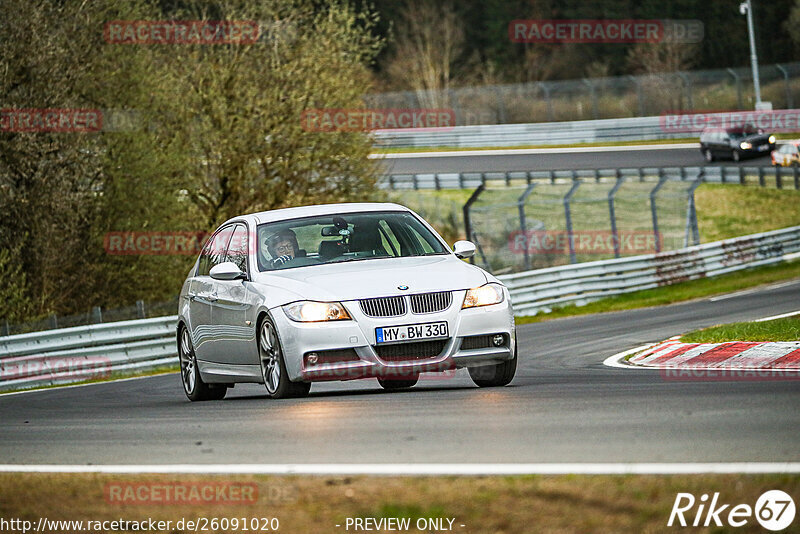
423 469
529 151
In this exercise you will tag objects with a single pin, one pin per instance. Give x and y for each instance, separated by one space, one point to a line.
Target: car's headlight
772 139
483 296
744 145
313 312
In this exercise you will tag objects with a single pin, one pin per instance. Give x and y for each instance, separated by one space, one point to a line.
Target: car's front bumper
357 337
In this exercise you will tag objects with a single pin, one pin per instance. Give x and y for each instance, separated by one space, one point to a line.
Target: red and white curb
745 355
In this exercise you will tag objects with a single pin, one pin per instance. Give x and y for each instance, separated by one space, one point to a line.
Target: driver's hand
280 260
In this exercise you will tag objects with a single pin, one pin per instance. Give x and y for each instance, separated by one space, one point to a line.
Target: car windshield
344 237
742 132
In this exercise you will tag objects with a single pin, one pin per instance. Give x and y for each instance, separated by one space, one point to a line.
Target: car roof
319 209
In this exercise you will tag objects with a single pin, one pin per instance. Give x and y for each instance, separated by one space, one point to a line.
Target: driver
282 246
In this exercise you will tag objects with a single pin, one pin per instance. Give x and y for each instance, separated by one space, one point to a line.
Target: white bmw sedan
338 292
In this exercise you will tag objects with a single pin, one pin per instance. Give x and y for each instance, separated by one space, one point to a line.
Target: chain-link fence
606 98
571 217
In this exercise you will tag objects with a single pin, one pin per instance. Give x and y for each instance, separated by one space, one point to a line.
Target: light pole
746 8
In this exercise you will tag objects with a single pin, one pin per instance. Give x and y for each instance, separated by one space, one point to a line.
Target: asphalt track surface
559 160
563 406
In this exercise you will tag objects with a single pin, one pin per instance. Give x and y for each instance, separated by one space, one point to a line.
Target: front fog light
744 145
314 312
483 296
498 340
772 139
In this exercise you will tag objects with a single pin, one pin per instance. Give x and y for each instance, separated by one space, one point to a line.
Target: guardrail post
568 219
654 212
738 81
641 174
391 182
436 183
761 181
741 176
787 87
415 181
691 212
140 309
796 184
6 328
552 177
778 178
522 223
461 180
53 321
467 221
612 214
97 315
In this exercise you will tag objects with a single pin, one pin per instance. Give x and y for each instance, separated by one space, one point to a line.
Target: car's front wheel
708 155
502 374
273 366
193 385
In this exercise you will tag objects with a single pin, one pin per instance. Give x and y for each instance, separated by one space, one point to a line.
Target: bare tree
429 40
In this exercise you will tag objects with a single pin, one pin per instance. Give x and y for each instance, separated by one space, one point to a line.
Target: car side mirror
227 271
464 249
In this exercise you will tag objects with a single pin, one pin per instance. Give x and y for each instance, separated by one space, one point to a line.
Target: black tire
708 155
492 376
273 367
736 156
193 385
392 383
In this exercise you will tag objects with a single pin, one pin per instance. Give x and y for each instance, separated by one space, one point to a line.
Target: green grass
785 329
682 292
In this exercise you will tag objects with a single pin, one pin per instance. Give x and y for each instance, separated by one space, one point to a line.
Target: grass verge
784 329
685 291
488 504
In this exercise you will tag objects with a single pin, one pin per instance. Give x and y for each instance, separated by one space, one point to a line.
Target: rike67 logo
774 510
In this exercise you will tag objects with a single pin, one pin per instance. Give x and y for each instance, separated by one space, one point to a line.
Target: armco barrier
540 290
542 133
74 354
84 352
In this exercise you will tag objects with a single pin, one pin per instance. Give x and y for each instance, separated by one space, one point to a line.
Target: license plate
762 148
411 332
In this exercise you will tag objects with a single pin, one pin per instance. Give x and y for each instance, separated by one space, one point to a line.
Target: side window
237 248
388 239
214 251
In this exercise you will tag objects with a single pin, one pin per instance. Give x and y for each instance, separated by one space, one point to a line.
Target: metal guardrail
86 352
540 133
780 177
540 290
95 351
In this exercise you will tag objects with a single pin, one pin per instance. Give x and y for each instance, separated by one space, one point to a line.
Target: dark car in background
735 143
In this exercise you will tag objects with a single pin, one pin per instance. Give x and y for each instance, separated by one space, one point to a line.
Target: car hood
368 278
756 139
